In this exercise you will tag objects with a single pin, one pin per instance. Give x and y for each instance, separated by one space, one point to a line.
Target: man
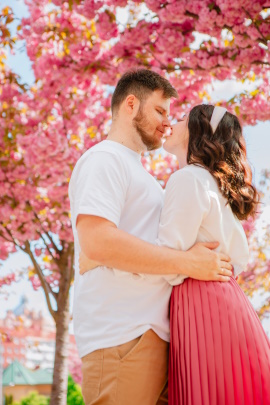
121 320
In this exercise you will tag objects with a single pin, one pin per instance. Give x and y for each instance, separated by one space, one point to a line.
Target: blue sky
258 148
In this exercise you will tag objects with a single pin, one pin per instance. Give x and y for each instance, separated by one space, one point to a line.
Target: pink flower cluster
78 51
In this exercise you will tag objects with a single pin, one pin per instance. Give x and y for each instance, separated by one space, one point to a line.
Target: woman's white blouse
195 211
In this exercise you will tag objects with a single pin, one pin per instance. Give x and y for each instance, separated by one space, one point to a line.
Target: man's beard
141 124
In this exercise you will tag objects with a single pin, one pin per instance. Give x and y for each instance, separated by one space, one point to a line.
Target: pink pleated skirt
219 352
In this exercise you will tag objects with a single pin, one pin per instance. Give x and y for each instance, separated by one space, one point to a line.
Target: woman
219 352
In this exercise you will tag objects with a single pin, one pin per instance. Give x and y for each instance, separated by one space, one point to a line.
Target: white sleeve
239 250
186 204
100 187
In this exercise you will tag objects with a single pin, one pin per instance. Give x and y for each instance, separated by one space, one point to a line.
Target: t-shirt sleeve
100 187
186 204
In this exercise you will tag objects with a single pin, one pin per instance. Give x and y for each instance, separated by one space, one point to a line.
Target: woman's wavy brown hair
223 154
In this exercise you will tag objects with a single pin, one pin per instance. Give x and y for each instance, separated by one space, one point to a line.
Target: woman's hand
86 264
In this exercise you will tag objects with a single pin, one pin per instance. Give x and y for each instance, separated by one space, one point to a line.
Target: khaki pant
134 373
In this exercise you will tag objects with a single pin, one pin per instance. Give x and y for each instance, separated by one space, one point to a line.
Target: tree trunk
61 316
60 373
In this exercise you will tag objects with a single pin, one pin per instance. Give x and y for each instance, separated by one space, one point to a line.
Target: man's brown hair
141 83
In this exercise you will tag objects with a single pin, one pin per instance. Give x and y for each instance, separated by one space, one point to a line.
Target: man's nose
166 122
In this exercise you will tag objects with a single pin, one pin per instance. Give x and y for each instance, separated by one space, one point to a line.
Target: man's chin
151 142
154 146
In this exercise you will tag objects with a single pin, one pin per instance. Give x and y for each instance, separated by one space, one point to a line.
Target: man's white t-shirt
109 181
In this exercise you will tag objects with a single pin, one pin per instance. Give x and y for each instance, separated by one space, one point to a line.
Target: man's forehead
157 98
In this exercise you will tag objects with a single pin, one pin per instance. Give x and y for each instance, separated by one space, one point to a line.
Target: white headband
217 116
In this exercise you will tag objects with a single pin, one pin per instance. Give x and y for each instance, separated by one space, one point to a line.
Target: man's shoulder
101 147
100 154
102 160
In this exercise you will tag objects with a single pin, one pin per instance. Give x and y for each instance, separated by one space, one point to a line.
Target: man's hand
86 264
209 265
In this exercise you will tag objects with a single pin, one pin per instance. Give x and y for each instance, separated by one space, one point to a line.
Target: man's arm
103 242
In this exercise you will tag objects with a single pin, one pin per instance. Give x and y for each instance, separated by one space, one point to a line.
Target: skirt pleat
219 352
198 320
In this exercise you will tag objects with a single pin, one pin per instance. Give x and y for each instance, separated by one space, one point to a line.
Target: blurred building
29 337
18 381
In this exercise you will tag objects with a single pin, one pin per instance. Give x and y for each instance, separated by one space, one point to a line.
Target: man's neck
126 137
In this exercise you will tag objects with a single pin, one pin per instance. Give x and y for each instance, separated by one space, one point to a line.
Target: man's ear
131 104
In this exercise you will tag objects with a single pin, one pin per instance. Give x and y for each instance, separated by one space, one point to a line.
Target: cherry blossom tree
161 35
78 50
40 142
257 279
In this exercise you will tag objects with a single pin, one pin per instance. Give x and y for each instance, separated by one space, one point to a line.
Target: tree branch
47 246
4 237
46 287
44 231
12 238
259 62
70 264
67 273
189 14
263 39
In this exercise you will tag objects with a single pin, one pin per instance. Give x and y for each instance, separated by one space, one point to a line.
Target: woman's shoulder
197 170
188 185
193 173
